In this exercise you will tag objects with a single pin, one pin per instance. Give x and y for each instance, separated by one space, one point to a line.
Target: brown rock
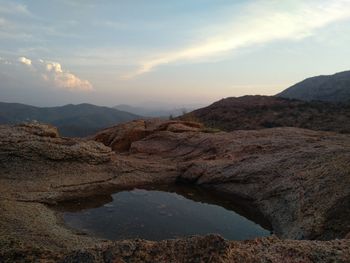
298 179
120 137
45 130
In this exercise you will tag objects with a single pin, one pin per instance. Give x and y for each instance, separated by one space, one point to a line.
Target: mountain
258 112
154 112
333 88
72 120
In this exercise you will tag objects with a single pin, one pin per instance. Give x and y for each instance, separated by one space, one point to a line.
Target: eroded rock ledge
299 179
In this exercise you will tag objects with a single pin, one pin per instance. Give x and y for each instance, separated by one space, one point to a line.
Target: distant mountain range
154 112
258 112
71 120
319 103
333 88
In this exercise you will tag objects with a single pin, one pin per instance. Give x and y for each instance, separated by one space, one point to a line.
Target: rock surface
120 137
298 179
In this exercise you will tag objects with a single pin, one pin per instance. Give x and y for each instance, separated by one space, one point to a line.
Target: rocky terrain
333 88
259 112
297 179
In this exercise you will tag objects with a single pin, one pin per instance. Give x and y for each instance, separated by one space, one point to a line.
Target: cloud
53 74
25 61
4 61
14 8
64 79
262 22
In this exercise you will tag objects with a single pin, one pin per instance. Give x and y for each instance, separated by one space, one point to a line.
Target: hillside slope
333 88
71 120
258 112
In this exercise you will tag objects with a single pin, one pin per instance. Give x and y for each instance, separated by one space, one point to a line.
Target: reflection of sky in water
157 215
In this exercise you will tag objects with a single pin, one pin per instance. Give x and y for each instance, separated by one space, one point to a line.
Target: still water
157 214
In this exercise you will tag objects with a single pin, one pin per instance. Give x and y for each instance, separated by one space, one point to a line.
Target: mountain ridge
259 112
329 88
72 120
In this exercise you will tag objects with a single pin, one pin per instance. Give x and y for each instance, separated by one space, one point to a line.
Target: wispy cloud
4 61
14 8
262 22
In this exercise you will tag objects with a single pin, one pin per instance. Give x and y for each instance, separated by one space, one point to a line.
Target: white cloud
53 66
53 74
64 79
25 61
262 22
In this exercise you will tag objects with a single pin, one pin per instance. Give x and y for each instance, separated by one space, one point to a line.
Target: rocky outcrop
42 142
43 130
298 179
49 169
287 172
120 137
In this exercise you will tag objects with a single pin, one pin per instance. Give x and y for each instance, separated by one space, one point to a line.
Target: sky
156 52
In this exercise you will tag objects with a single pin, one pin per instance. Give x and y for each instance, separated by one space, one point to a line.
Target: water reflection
164 213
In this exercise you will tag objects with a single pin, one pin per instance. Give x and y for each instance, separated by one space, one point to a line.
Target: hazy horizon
187 52
149 105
